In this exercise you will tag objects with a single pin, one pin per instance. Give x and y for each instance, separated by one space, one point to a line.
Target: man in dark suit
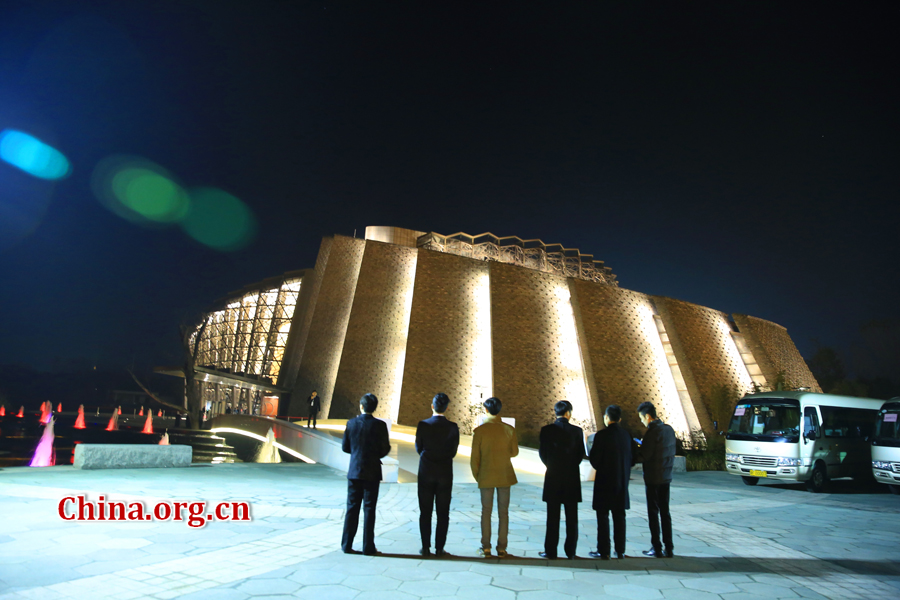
366 441
437 440
314 403
658 454
561 450
611 456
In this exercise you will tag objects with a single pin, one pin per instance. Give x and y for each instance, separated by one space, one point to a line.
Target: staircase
208 447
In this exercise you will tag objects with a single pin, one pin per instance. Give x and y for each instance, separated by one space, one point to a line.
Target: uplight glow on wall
670 401
569 354
482 359
744 381
401 335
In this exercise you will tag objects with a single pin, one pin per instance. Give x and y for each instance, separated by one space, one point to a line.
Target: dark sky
739 155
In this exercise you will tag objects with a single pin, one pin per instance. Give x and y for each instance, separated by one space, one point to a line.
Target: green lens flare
219 220
151 195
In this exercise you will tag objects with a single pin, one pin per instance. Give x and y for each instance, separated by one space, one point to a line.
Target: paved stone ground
732 542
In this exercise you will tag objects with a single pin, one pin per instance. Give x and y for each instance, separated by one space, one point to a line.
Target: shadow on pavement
690 564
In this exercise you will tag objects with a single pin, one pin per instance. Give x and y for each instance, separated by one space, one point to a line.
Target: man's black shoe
441 552
599 555
352 551
654 553
619 555
545 555
668 554
425 552
373 552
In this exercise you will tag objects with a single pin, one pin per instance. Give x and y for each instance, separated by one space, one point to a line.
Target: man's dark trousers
618 517
658 510
551 539
437 441
360 492
434 492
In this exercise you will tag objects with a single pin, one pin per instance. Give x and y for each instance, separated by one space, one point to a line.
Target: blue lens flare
31 155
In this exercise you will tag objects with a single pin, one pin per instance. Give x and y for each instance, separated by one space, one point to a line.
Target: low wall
131 456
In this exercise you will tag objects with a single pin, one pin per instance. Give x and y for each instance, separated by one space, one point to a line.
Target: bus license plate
758 474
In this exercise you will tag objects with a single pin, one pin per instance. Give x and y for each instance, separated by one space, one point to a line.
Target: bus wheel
750 480
895 489
818 480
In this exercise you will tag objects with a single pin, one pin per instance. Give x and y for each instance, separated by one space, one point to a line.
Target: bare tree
153 396
190 343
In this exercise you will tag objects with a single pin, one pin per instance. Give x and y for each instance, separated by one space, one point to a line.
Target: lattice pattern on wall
325 341
626 355
775 352
706 352
248 335
375 347
531 254
446 349
536 356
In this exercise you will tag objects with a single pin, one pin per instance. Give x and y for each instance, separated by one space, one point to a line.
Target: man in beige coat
494 443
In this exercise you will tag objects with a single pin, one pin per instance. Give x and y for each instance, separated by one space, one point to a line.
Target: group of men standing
494 444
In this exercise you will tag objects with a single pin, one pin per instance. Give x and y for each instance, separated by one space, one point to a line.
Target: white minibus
886 446
800 436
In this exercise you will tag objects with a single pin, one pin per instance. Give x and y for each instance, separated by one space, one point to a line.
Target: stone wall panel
444 339
328 324
375 345
775 352
702 342
619 326
533 367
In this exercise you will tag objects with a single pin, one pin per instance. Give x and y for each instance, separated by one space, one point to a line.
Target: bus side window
810 421
831 423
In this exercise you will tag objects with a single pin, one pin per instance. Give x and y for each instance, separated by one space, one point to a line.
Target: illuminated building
405 314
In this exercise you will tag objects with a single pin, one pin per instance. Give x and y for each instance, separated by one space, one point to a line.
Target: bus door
813 443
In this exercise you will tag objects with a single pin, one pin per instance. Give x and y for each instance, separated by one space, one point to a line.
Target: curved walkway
323 445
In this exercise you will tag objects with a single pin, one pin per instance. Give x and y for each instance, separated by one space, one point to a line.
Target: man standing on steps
437 440
494 444
366 441
658 453
562 450
611 456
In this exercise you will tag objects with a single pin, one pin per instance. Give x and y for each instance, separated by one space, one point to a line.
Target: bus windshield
766 419
887 428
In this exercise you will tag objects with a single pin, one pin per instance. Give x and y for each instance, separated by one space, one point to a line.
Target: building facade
405 314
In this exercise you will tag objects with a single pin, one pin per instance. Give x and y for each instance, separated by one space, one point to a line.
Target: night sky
738 155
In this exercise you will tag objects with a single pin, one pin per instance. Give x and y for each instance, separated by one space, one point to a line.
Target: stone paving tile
713 586
686 594
660 582
710 512
632 592
269 585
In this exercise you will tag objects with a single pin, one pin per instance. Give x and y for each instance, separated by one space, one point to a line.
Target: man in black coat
366 441
611 456
314 403
658 454
561 450
437 440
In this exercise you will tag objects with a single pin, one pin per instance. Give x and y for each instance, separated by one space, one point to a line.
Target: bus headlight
788 462
880 464
733 458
